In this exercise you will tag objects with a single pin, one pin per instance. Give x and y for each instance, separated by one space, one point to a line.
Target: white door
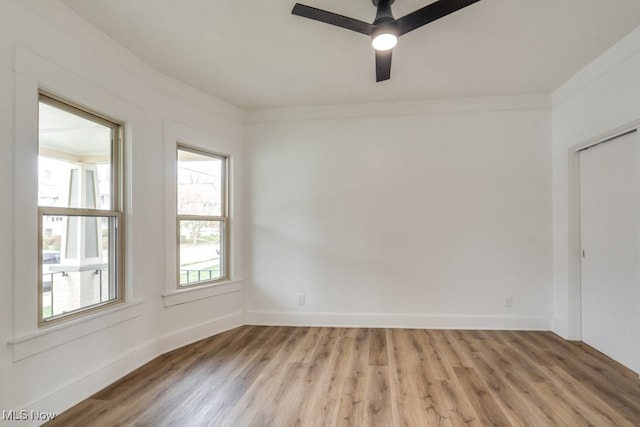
610 238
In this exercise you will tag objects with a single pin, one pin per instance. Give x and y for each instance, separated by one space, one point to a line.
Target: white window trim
174 134
32 74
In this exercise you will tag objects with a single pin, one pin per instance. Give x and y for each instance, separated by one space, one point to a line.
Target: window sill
28 345
183 296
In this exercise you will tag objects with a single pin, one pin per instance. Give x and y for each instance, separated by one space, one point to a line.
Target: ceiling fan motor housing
384 14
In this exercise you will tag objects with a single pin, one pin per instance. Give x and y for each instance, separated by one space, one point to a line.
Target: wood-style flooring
287 376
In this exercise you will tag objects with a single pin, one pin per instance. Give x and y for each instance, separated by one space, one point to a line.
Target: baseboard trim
395 320
179 338
77 389
560 328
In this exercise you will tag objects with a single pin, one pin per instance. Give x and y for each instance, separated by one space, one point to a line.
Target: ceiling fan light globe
384 41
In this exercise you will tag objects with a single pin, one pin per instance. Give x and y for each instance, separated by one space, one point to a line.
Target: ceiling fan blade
383 65
332 18
430 13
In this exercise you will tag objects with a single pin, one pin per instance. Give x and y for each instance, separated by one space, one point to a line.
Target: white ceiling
255 54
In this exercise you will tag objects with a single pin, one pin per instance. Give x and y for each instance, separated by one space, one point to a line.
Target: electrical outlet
300 299
508 302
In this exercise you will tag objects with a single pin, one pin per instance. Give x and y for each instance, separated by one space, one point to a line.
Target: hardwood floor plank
309 344
201 396
580 397
378 355
324 407
351 398
284 399
270 381
518 395
456 405
618 393
520 408
377 401
413 380
459 346
359 354
222 394
522 351
287 376
352 402
433 355
484 404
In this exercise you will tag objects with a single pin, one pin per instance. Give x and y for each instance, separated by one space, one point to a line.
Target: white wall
420 214
43 44
600 101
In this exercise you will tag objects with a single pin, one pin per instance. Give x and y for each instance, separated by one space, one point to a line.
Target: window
202 218
79 211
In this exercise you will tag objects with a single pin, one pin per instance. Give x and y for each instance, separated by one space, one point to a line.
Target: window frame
223 218
117 211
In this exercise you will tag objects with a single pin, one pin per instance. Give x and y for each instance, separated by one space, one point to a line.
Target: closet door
610 238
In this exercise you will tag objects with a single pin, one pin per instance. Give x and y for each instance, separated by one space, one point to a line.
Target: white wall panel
423 214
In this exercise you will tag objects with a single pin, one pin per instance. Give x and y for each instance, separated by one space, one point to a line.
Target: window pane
74 162
200 184
200 251
78 263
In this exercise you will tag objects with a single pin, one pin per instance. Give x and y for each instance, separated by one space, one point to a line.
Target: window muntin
79 211
202 220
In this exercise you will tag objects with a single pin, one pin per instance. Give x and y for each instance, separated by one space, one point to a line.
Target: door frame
575 245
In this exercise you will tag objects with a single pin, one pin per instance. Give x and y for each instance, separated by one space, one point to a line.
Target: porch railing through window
196 276
66 291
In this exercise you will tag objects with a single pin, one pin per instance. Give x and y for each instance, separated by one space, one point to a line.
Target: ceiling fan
385 29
